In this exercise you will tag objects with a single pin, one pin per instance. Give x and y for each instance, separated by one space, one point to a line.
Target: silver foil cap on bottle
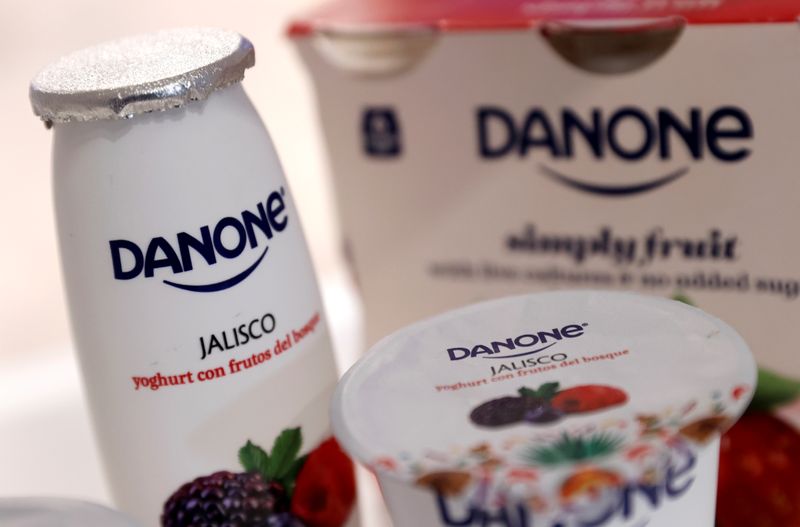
141 74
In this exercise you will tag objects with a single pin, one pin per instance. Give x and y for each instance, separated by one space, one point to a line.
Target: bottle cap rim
140 74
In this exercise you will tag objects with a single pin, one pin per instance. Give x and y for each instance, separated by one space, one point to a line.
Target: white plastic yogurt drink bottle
194 306
567 409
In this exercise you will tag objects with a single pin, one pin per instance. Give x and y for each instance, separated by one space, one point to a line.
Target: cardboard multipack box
493 148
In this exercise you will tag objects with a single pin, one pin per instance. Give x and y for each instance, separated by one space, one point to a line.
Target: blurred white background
46 446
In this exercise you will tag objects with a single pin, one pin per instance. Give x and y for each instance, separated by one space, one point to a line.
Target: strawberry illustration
325 490
758 474
760 462
588 398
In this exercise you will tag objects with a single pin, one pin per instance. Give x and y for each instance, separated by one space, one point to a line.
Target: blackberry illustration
499 412
531 405
261 496
225 498
543 413
284 519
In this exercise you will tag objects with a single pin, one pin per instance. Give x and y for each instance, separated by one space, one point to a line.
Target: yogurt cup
564 409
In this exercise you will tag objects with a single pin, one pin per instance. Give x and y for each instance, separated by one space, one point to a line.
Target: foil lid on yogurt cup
140 74
546 399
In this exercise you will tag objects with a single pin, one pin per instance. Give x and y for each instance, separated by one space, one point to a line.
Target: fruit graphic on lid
446 483
546 405
574 449
502 411
589 483
277 489
588 398
705 429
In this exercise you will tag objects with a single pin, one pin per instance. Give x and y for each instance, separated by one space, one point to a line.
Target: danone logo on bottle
228 238
628 133
499 349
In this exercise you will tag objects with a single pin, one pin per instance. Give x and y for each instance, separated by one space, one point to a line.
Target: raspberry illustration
326 488
588 398
225 497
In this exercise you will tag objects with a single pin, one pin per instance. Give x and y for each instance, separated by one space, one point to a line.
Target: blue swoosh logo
219 286
523 354
612 190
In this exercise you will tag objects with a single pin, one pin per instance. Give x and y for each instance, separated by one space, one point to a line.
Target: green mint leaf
253 458
284 452
289 480
548 390
545 391
296 467
774 390
680 297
